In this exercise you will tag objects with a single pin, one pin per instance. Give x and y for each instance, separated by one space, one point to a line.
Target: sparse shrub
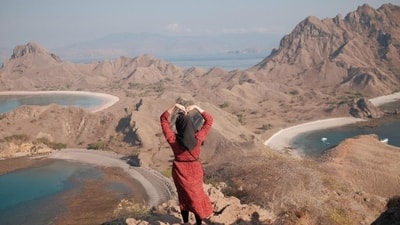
53 145
242 118
235 191
43 140
266 126
128 209
97 145
160 88
167 172
294 92
333 184
339 216
17 138
224 105
134 85
57 146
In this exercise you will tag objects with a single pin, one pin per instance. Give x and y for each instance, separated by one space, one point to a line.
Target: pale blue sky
55 23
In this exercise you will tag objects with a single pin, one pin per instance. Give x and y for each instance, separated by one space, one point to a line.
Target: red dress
187 170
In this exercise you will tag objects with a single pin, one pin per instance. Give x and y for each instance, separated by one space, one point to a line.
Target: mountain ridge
349 53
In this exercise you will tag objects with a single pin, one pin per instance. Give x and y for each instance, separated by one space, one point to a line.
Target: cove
315 143
11 102
33 195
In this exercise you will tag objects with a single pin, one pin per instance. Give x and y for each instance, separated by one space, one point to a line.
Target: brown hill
358 53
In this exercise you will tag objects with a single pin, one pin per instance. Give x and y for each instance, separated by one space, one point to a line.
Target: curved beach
158 188
283 138
156 191
109 100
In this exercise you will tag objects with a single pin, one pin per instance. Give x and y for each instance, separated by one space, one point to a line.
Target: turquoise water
29 196
9 103
315 143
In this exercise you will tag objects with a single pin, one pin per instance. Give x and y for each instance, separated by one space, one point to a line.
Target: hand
177 107
191 107
180 107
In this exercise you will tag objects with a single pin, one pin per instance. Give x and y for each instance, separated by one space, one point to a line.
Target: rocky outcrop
392 214
363 108
32 48
227 210
12 150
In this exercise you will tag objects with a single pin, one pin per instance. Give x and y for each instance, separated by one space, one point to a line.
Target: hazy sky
55 23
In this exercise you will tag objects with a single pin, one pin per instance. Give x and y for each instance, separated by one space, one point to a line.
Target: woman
187 170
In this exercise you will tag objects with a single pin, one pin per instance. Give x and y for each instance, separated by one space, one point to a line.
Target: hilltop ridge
359 53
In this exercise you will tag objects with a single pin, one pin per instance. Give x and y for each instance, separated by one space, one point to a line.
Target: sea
33 196
9 103
226 61
315 143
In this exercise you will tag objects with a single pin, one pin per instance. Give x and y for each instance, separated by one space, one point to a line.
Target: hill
318 69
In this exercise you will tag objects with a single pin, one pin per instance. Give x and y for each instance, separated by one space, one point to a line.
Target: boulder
363 108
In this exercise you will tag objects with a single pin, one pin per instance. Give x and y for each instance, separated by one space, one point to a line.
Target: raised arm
165 125
208 121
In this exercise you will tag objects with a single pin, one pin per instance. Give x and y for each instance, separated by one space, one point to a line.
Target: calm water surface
30 196
314 143
9 103
227 61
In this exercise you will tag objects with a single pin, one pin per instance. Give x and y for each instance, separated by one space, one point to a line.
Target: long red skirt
188 179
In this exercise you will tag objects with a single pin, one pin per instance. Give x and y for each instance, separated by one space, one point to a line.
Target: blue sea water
227 61
29 196
9 103
316 142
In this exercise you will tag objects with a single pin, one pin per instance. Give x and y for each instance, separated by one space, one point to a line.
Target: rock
363 108
32 48
392 214
227 210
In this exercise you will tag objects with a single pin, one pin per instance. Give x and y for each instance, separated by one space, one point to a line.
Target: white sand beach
157 191
282 139
109 100
378 101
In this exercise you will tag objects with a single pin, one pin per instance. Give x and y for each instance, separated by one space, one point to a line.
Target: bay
30 195
315 143
11 102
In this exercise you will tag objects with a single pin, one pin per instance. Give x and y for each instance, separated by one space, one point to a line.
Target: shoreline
108 100
283 138
156 191
156 187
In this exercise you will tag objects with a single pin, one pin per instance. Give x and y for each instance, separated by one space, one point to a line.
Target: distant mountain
357 53
135 44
